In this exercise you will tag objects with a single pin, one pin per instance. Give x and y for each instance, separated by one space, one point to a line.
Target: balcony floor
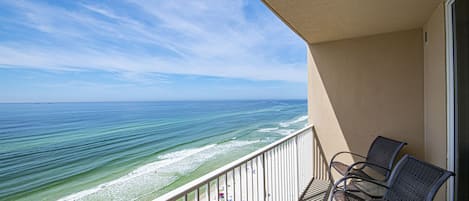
318 190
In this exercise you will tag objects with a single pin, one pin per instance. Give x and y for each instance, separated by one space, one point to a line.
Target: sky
147 50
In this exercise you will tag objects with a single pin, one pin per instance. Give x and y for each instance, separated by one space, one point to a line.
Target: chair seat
345 196
371 190
367 173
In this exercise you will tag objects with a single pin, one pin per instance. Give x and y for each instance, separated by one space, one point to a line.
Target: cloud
211 38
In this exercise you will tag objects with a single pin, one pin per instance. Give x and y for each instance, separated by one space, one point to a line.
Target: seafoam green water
132 150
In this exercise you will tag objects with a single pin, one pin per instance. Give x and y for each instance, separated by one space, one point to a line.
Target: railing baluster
234 184
273 187
248 188
268 178
292 170
259 172
300 164
295 173
297 191
247 179
217 190
246 183
289 171
274 178
285 170
282 171
225 193
315 155
208 191
284 165
277 174
253 188
316 158
318 169
254 179
264 169
241 193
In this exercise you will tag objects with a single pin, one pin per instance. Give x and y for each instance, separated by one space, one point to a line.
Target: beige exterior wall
435 92
363 87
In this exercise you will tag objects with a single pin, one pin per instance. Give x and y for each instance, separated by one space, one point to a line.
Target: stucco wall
435 91
363 87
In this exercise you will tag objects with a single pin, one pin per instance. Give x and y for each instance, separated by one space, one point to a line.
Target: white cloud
210 37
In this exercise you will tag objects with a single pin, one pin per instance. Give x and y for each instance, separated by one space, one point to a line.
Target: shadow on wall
364 87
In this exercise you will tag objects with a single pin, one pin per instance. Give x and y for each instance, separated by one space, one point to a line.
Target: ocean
130 150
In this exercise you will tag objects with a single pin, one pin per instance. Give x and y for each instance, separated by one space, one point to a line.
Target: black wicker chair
376 165
411 180
380 159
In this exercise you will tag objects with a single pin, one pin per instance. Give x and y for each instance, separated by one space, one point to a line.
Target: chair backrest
416 180
383 151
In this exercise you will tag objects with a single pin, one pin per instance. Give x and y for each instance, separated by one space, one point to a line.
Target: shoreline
168 159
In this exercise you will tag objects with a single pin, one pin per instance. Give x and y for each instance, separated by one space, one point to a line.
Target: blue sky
142 50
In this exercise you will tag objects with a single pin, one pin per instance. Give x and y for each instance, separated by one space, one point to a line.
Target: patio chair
380 159
411 180
376 165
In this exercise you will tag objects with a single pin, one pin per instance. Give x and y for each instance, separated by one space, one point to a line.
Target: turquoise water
129 150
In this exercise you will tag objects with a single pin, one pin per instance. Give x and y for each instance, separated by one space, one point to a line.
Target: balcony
293 168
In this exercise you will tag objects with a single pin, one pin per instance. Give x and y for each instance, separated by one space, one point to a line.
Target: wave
285 131
267 130
157 175
281 131
284 127
297 120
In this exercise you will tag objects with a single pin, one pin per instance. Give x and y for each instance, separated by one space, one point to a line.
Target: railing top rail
178 192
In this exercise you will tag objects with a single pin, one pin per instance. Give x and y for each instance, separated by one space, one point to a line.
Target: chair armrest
335 156
346 152
364 163
344 180
343 152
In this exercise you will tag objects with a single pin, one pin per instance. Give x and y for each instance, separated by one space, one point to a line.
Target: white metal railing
278 172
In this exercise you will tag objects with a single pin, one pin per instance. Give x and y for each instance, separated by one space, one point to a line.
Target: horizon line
150 101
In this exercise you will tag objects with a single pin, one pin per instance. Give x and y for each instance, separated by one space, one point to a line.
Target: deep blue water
129 150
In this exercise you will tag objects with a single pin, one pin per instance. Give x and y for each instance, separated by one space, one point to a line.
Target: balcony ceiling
326 20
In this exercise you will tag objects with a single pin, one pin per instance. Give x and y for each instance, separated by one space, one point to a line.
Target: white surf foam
285 131
284 128
281 131
156 175
297 120
150 168
267 130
